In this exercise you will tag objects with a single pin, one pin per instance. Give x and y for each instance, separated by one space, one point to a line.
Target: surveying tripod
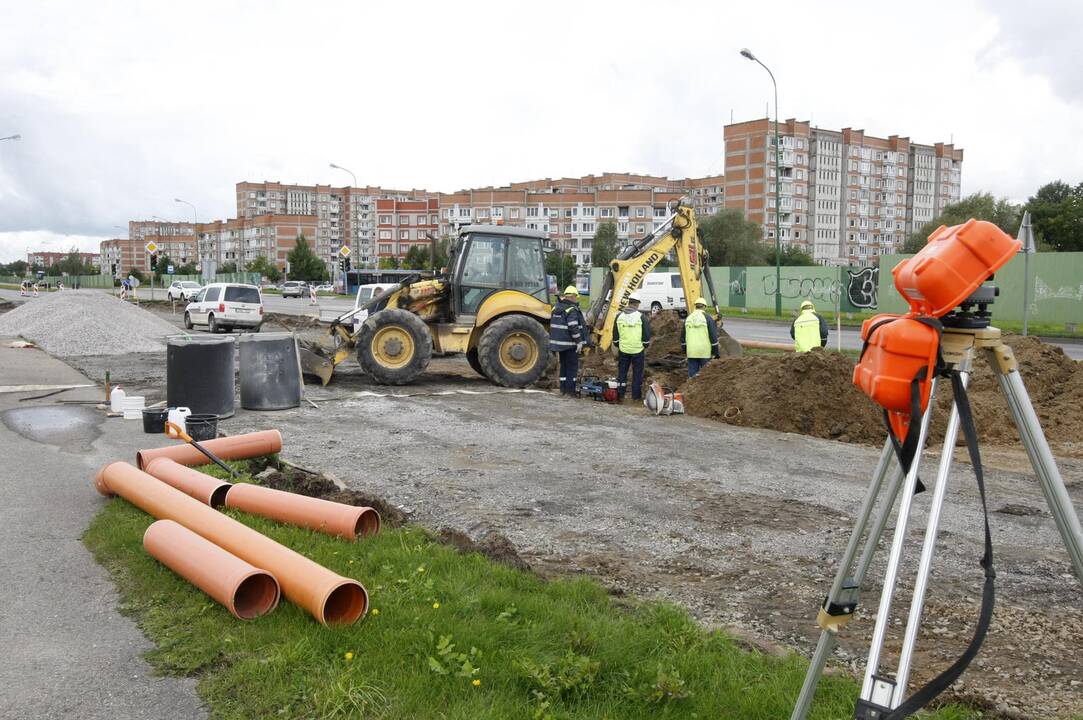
881 696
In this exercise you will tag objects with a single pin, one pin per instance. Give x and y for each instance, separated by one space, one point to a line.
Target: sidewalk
68 652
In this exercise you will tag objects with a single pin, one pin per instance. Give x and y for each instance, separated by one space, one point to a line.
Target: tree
227 267
563 267
604 246
443 248
17 268
160 268
417 258
1056 212
265 268
188 268
732 240
791 255
980 206
137 274
388 263
305 264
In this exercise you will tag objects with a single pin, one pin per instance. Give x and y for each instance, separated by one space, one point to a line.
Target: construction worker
699 338
631 336
809 330
567 336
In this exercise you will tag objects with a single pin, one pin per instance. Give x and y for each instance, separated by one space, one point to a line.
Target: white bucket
133 402
133 414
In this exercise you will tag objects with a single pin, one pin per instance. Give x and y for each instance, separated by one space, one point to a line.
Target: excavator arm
626 273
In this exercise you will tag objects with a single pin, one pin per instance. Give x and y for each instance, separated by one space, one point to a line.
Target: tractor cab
488 259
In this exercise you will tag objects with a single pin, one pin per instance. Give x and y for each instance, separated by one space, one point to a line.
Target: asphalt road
740 328
68 652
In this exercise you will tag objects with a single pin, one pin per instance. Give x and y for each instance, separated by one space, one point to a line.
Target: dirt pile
808 393
665 362
1054 382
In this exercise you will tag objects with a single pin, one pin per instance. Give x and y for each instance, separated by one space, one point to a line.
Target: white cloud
124 106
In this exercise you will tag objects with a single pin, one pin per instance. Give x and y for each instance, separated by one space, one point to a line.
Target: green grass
440 622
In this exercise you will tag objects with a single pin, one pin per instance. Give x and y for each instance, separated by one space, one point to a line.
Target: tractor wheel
472 358
514 350
394 346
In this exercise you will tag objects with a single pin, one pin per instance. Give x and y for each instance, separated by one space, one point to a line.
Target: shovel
173 431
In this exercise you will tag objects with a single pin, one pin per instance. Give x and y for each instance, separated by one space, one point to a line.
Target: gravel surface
86 322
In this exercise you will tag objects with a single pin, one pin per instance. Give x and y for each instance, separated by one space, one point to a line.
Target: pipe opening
256 595
139 460
368 522
345 604
218 497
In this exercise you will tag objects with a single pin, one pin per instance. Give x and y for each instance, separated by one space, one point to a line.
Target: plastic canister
116 400
177 417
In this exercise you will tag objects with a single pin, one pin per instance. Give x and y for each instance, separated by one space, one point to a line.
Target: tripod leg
1006 368
842 595
891 576
928 548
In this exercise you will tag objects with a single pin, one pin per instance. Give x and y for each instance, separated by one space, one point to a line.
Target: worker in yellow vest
699 338
631 336
809 330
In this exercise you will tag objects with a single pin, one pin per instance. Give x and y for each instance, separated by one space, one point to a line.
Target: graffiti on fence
737 287
818 288
861 287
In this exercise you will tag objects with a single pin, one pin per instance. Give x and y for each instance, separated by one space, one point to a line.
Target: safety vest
697 338
630 332
806 331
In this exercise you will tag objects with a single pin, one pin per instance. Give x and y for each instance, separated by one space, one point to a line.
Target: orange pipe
246 591
331 598
237 447
204 488
345 521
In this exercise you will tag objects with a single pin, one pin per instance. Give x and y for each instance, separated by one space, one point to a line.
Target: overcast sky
125 106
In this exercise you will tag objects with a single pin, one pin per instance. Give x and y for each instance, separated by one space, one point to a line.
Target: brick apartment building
401 224
846 197
242 240
47 259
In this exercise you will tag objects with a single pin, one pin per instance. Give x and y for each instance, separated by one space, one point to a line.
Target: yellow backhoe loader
491 304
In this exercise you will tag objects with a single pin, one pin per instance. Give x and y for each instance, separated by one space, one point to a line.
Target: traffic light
154 261
347 266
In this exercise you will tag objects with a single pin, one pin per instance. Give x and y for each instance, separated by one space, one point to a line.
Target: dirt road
742 526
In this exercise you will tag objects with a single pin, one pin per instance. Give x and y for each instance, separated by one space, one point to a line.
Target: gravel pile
86 322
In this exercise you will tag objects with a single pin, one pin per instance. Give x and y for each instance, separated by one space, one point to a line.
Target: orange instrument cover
952 265
898 348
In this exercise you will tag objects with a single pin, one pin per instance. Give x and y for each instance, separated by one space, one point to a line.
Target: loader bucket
727 345
316 365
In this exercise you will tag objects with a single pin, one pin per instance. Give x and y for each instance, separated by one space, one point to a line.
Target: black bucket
154 420
202 426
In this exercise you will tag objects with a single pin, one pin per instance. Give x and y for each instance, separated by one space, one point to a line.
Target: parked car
182 290
225 306
364 294
294 288
326 287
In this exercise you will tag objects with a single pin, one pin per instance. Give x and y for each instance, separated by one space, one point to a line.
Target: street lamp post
354 177
746 53
195 221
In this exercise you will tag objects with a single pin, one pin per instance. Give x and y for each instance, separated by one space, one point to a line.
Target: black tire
187 321
394 346
212 325
514 350
472 358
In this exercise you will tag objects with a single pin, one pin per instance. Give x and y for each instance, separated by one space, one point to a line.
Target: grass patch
449 636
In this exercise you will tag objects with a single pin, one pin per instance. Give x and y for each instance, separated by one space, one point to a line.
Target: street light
746 53
16 136
339 167
194 216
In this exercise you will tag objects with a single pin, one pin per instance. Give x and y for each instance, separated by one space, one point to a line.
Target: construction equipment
490 303
680 234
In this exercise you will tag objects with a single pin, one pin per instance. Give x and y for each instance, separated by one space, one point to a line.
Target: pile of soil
664 363
1054 382
809 393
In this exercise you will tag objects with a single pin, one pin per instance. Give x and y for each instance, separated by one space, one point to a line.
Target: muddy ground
742 526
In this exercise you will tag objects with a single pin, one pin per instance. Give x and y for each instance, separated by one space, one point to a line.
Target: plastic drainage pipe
329 597
345 521
237 447
244 590
204 488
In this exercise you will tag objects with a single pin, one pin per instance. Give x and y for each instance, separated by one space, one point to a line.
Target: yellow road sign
344 251
152 247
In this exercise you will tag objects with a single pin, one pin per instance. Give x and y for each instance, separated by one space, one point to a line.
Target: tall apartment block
47 259
846 197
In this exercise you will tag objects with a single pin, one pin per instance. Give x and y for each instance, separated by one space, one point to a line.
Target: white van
224 306
364 294
662 291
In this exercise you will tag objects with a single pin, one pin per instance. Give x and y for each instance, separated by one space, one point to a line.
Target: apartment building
47 259
343 215
845 197
401 224
242 240
119 256
175 239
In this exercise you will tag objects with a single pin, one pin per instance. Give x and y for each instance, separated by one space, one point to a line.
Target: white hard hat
635 296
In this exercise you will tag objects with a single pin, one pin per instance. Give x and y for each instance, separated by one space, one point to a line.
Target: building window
532 212
385 219
404 234
464 212
607 212
514 213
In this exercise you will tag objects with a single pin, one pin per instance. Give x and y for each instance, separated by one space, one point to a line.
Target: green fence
1056 281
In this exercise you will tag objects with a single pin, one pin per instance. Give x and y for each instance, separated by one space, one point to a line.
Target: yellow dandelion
421 568
348 656
375 611
476 682
436 606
